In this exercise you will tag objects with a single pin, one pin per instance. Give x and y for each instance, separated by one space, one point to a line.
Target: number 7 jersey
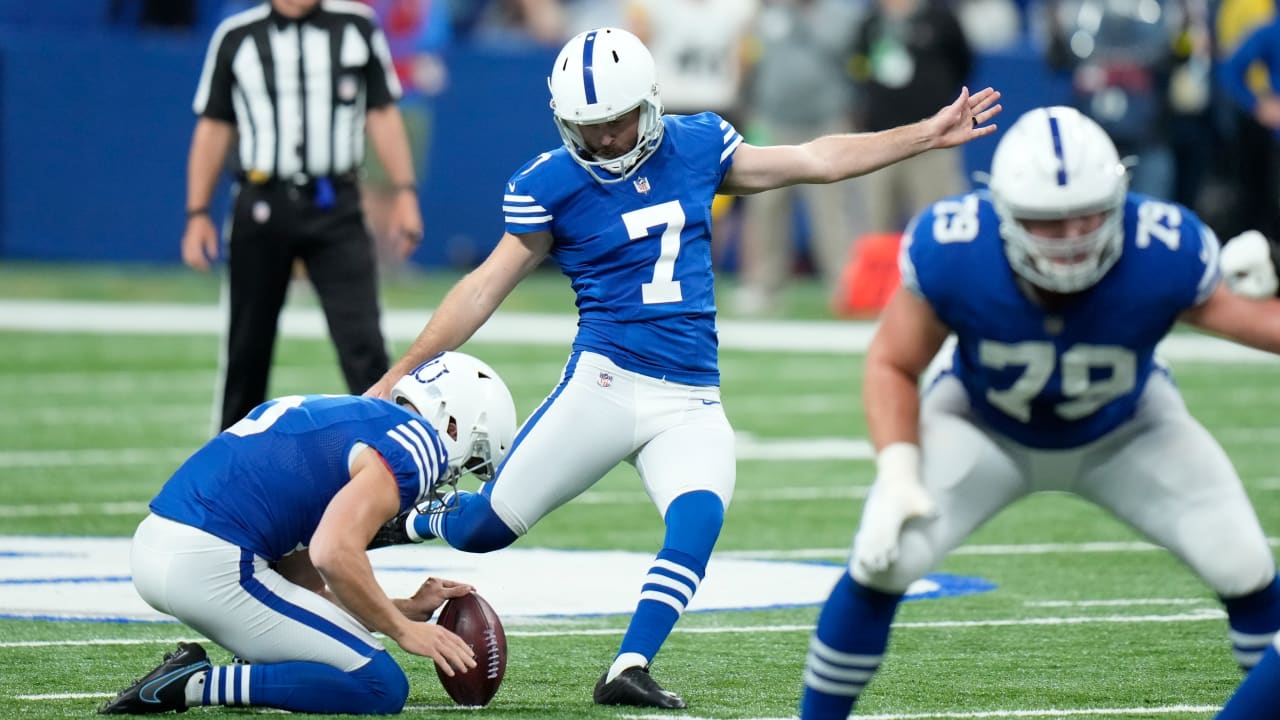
1063 377
637 252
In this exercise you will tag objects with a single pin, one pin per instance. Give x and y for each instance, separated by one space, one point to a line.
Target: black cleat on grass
393 532
163 689
635 687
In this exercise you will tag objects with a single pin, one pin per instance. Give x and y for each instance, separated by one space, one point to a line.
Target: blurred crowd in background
1157 74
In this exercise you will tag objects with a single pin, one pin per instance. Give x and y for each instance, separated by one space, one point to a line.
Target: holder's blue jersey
264 483
1057 379
637 252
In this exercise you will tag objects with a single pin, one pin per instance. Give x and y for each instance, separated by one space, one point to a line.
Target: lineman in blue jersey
624 208
258 542
1057 286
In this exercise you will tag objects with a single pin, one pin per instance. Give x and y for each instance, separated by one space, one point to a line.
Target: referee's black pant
273 224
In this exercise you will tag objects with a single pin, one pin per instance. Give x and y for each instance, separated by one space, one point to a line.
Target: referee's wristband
193 212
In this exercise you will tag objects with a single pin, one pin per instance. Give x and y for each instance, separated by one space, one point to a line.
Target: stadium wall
95 128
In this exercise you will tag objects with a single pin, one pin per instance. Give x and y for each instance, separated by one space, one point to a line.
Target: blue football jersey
1063 377
264 483
637 252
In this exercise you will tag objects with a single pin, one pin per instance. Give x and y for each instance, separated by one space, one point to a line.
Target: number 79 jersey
637 252
1061 377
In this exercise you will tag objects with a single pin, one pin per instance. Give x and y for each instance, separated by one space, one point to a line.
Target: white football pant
676 435
236 600
1161 472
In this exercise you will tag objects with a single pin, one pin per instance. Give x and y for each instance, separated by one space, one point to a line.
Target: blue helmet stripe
1057 149
588 73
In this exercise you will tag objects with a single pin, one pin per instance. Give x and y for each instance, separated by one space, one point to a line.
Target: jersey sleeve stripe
737 140
433 444
523 209
1212 271
906 267
415 451
529 220
518 198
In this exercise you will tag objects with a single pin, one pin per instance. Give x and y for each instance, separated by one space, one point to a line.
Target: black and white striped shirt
297 90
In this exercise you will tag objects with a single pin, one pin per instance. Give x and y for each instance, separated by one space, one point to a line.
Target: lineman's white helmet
1055 163
599 76
467 404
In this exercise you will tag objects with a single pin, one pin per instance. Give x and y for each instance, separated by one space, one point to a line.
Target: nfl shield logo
605 380
642 185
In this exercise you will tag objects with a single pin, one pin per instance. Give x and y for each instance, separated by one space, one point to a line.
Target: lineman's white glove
1247 267
896 496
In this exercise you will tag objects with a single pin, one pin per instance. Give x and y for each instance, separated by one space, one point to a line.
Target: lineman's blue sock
1255 699
846 648
1254 620
693 525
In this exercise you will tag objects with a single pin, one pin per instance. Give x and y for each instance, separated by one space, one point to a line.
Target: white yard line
1202 615
835 336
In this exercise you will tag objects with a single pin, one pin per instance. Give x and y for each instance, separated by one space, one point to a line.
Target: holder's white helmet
599 76
468 405
1055 163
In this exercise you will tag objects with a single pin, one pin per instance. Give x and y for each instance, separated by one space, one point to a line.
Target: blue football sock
1256 699
1254 620
471 525
846 648
693 525
379 687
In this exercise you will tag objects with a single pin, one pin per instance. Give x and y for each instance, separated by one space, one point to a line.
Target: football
471 618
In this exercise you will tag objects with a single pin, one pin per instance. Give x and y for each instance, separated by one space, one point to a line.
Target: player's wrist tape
193 212
898 460
405 187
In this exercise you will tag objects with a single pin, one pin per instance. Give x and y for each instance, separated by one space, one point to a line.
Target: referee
294 85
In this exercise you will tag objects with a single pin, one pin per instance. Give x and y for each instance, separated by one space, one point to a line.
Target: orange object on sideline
870 276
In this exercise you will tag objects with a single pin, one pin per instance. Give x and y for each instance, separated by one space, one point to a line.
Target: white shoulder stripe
1209 248
517 198
523 209
415 452
733 146
434 446
528 220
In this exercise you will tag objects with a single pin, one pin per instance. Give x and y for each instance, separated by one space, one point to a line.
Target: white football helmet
468 405
1055 163
599 76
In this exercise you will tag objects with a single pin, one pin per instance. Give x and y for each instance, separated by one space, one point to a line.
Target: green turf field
1084 621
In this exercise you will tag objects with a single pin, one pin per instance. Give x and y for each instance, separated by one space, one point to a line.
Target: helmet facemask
600 76
1056 164
470 409
1062 264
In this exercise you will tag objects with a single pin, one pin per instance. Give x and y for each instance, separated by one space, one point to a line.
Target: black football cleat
393 532
163 689
635 687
